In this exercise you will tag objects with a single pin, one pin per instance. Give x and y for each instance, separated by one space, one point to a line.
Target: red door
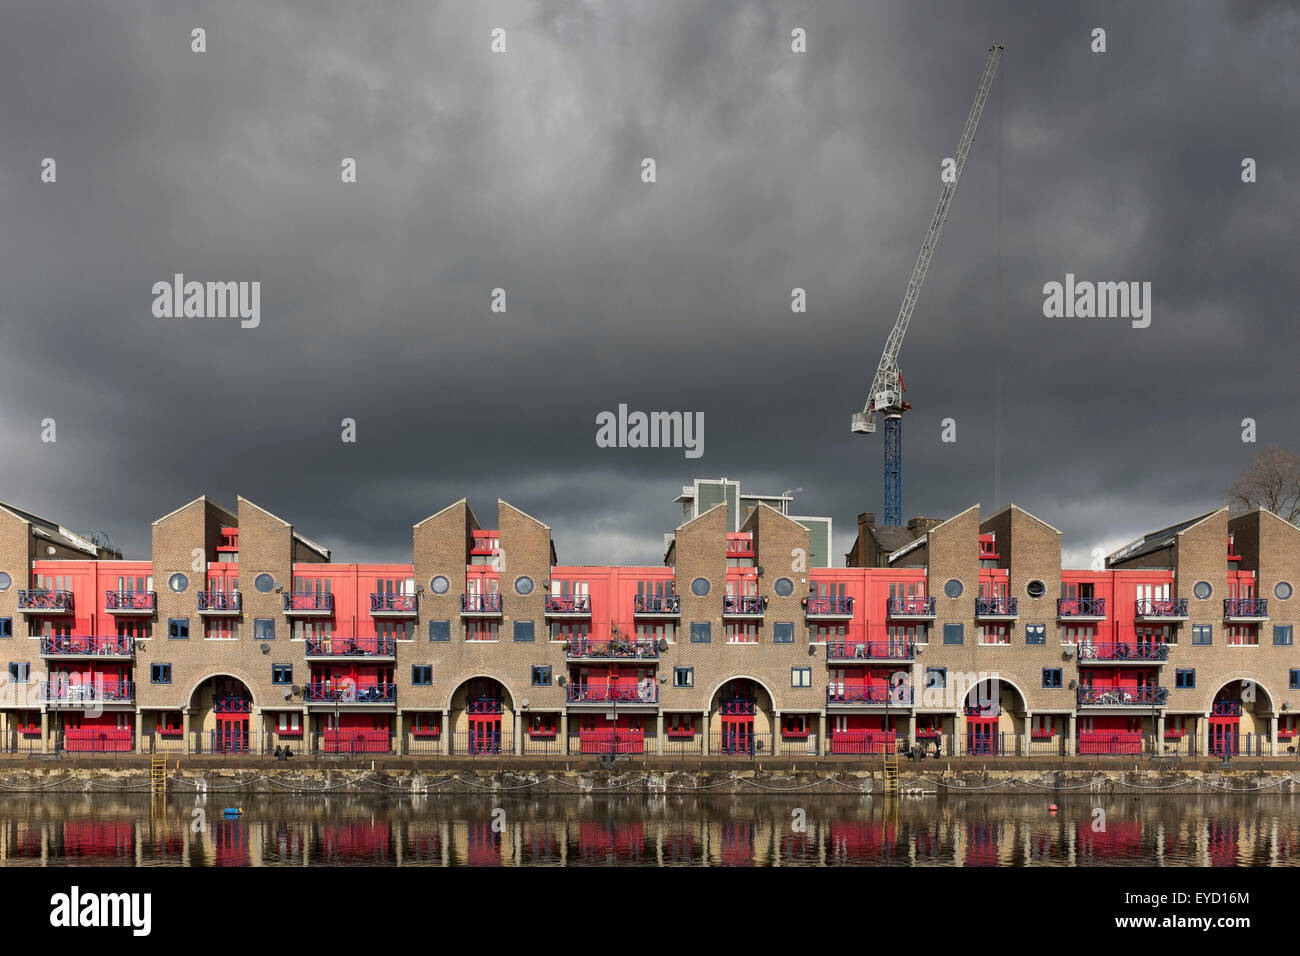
485 733
231 735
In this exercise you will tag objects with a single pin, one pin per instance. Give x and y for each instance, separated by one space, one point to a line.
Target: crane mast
886 393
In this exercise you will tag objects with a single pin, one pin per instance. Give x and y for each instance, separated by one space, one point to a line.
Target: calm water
375 830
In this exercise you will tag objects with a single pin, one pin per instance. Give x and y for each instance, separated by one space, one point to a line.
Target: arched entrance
482 718
221 708
995 717
1239 720
740 718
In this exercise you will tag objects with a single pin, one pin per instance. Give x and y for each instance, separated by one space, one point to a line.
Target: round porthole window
1035 589
783 587
1202 589
1281 592
523 584
700 587
264 583
953 588
5 581
439 585
178 582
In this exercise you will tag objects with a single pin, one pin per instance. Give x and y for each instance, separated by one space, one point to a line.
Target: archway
994 709
740 718
1239 719
482 717
221 707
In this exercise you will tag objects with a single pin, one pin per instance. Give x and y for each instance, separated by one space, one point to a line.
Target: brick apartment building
966 635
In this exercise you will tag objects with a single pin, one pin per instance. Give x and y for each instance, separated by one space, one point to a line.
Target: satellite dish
288 692
663 644
266 648
1069 652
524 703
50 550
295 689
560 681
760 570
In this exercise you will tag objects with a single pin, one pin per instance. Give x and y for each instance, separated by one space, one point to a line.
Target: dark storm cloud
522 171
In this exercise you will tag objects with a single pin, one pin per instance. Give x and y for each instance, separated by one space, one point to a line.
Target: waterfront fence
482 743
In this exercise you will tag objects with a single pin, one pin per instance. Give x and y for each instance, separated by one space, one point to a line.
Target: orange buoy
1051 808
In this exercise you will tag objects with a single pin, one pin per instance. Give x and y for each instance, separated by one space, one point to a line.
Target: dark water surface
378 830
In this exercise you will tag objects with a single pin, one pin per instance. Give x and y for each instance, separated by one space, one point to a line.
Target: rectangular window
828 633
281 673
1202 633
289 724
264 629
6 627
1242 635
782 633
396 630
160 673
178 628
481 631
1185 679
440 630
700 632
1282 635
542 725
936 677
523 630
1051 677
222 631
1035 634
801 677
20 672
1295 679
683 676
952 634
995 634
541 676
743 632
421 675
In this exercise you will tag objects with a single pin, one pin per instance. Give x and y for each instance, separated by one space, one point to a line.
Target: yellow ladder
158 774
891 772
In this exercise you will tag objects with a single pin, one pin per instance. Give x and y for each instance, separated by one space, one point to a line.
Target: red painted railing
99 740
863 741
1110 742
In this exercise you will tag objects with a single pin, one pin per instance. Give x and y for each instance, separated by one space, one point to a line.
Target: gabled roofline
925 538
443 511
502 501
319 549
1262 510
1028 514
701 516
206 500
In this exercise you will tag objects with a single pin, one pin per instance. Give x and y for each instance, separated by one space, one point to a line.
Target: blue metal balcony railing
44 599
657 604
1081 607
911 607
480 603
1123 696
351 647
232 705
837 606
861 694
1226 708
1173 608
743 604
1120 651
618 649
67 692
485 705
308 601
89 646
329 693
220 601
647 692
386 603
738 705
568 604
997 606
870 650
119 601
1245 607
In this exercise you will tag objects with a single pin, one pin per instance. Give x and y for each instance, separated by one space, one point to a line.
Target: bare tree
1271 481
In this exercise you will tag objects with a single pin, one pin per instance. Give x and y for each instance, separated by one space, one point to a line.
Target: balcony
220 603
341 693
866 651
743 605
738 705
308 604
1226 708
645 693
657 605
566 605
106 647
584 650
997 608
1245 609
343 647
1081 609
830 608
1175 610
912 608
130 602
1121 653
480 605
62 692
485 705
1122 696
232 705
44 601
393 605
861 695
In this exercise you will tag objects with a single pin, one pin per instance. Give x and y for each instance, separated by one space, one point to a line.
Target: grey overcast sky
521 170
